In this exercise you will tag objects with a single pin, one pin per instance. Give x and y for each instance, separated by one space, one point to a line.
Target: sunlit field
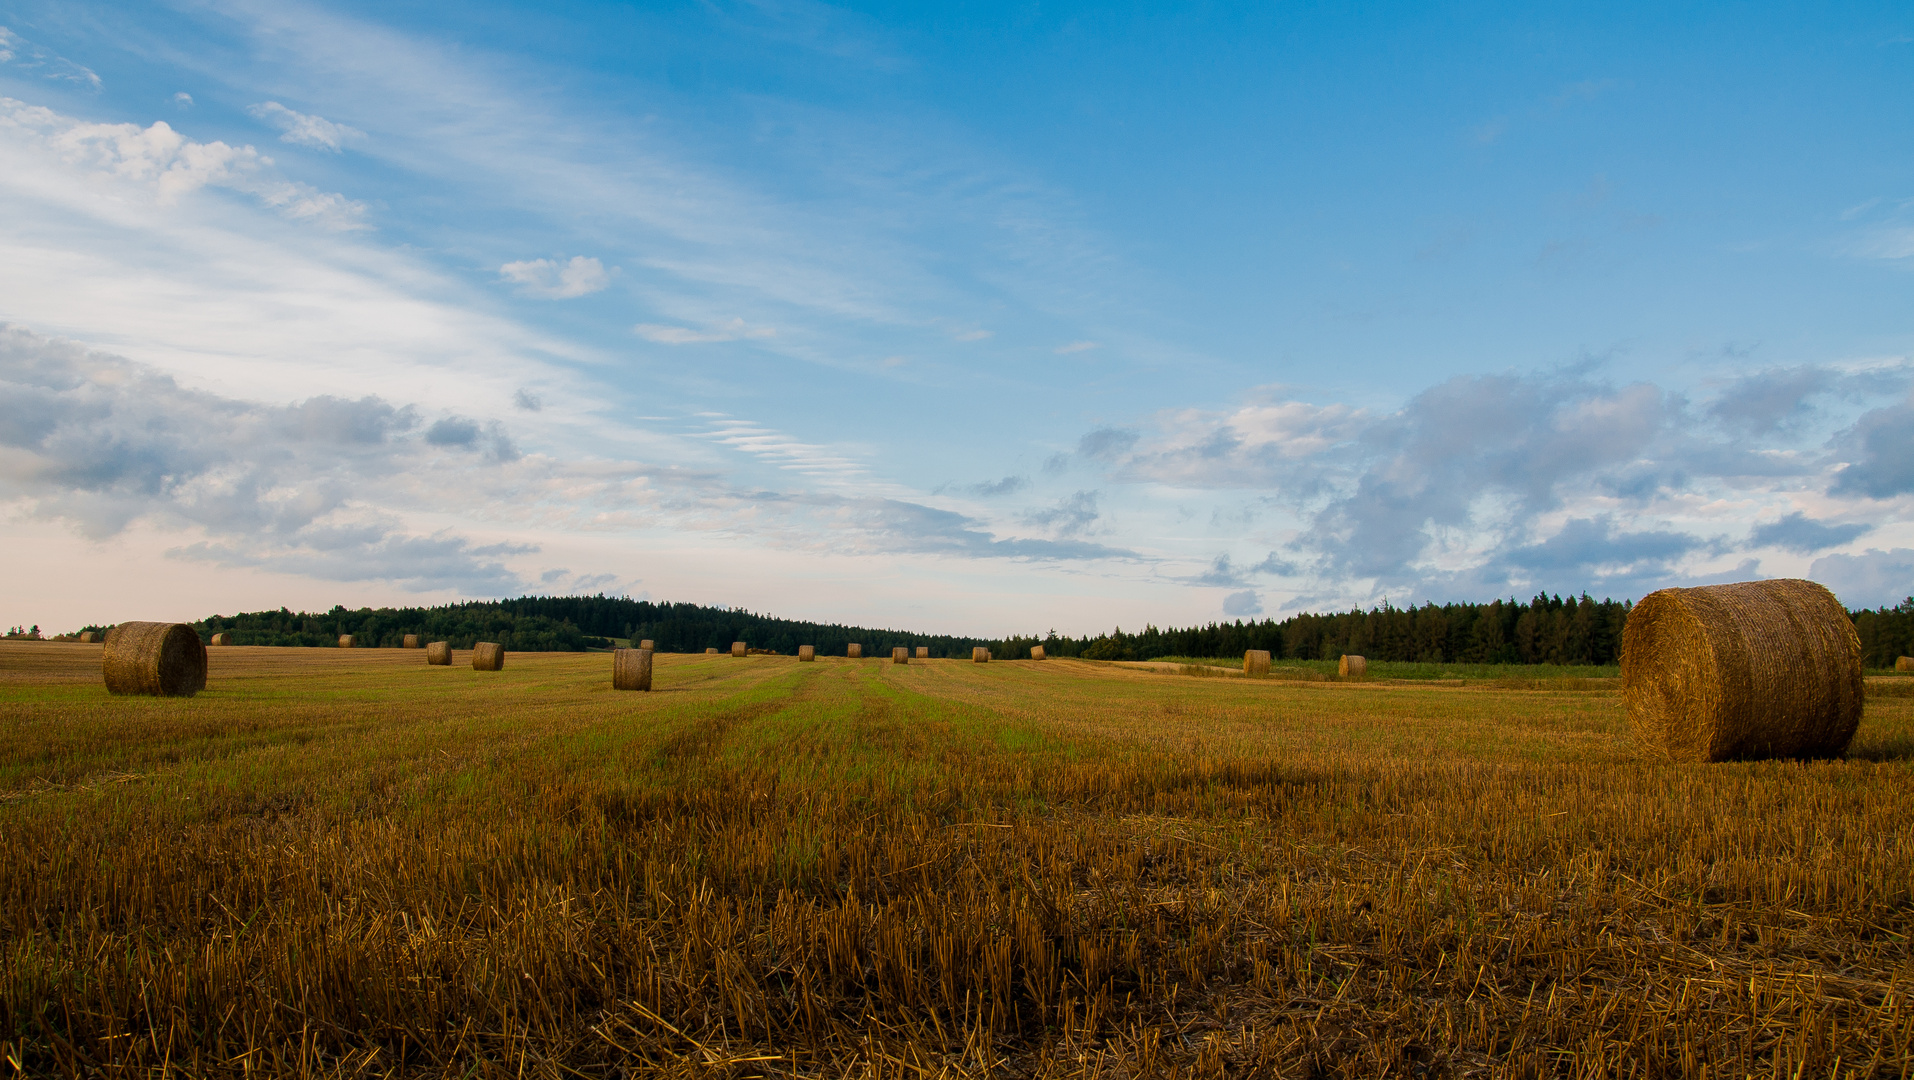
345 862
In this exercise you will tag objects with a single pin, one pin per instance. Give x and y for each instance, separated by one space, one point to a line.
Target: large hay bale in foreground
1256 661
648 644
411 641
163 659
1352 666
88 637
738 648
345 641
900 655
1756 669
923 652
488 656
631 669
1036 652
979 655
1905 663
854 651
222 639
439 653
807 654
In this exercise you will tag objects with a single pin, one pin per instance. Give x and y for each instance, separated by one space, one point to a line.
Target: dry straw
157 658
1756 669
1036 652
345 641
900 655
222 639
648 644
1256 662
1352 666
631 669
979 655
439 653
488 656
88 637
1905 663
411 641
923 652
807 653
737 648
854 651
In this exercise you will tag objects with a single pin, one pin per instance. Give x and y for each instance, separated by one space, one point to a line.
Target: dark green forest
1544 630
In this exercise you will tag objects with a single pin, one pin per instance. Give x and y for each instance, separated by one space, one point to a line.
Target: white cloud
301 129
26 56
1074 347
183 99
735 330
553 279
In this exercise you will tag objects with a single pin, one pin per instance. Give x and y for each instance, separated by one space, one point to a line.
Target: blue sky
981 318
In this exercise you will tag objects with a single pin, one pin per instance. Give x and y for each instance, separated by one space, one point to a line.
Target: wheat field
348 863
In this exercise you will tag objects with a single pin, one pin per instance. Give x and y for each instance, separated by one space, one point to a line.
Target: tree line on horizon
1545 630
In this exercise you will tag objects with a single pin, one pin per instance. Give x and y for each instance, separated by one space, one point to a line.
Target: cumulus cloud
735 330
488 438
1873 578
301 129
553 279
1799 534
1242 604
1883 448
1069 517
168 164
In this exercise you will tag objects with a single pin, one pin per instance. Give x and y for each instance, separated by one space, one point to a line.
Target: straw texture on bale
900 655
923 652
411 641
979 655
1905 663
156 658
631 669
488 656
737 648
1352 666
1256 662
1756 669
439 653
648 644
854 651
807 653
88 637
345 641
1036 652
222 639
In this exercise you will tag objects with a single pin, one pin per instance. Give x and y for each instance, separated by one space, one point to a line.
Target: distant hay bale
1036 652
923 652
711 651
631 669
1352 666
854 651
88 637
1256 662
345 641
1905 663
220 639
807 654
1756 669
439 653
411 641
900 655
738 649
648 644
155 658
488 656
979 655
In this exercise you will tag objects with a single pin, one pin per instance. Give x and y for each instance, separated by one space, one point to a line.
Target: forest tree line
1544 630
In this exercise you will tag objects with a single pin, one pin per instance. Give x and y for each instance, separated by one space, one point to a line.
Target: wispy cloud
735 330
557 279
301 129
24 55
1074 347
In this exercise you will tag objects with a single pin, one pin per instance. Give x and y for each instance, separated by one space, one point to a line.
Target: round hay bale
439 653
88 637
711 651
631 669
222 639
1352 666
162 659
1256 662
738 649
854 651
807 654
411 641
1036 652
1905 663
488 656
979 655
923 652
345 641
1756 669
900 655
648 644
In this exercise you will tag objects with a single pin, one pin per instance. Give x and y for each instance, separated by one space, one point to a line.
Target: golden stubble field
348 863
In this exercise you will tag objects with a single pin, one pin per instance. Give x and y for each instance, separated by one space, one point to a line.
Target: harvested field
343 862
